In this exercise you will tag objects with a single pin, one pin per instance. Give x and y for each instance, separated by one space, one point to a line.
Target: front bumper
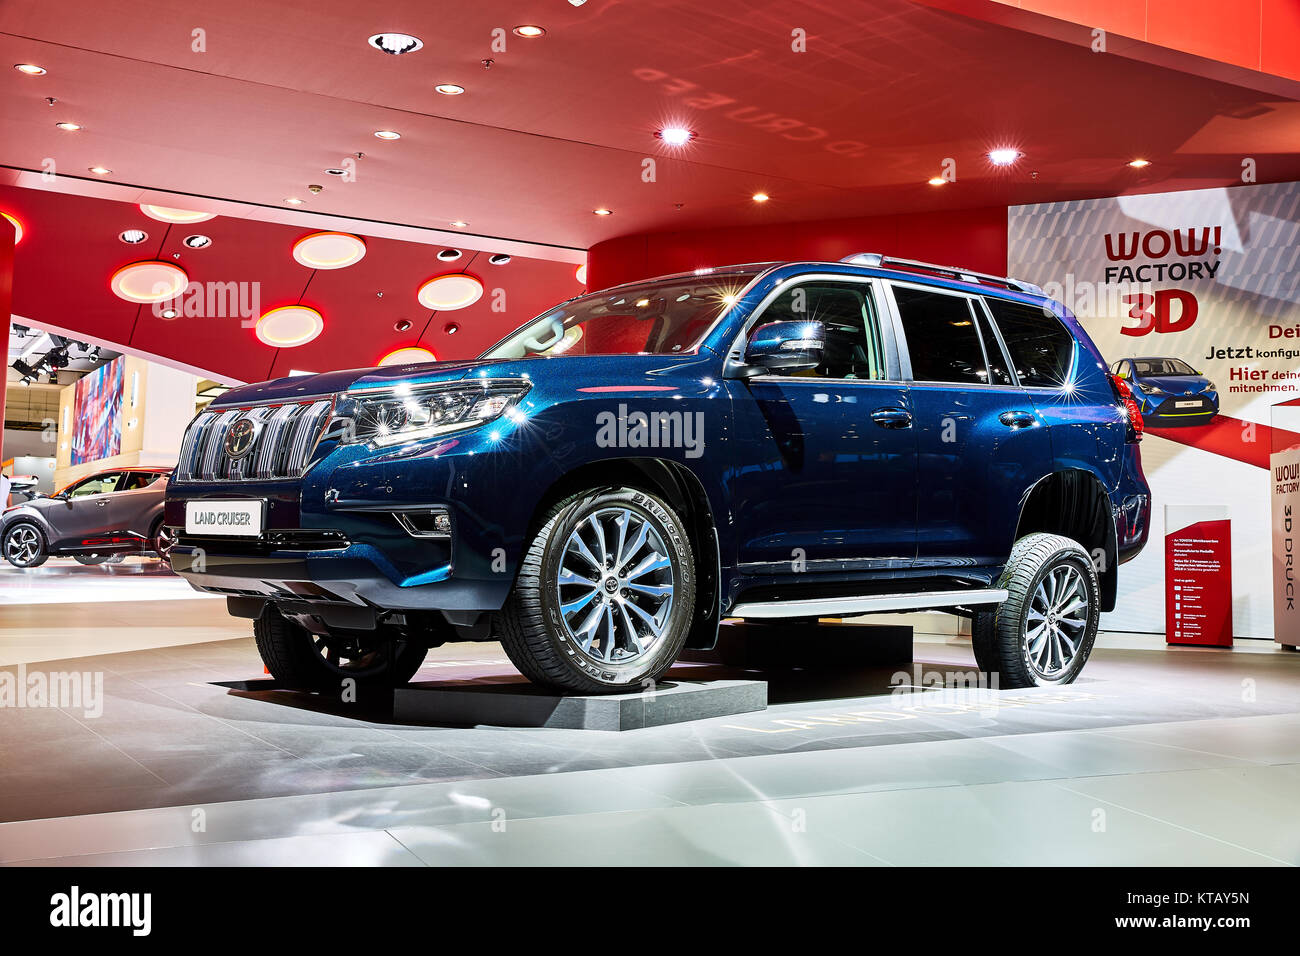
1174 411
334 535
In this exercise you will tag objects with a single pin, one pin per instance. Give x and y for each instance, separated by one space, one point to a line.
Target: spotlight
459 223
449 89
101 170
675 135
1139 163
936 180
387 134
499 259
68 127
1004 156
529 30
133 237
602 211
760 197
197 242
31 69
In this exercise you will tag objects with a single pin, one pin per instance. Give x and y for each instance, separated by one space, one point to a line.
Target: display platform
827 642
516 703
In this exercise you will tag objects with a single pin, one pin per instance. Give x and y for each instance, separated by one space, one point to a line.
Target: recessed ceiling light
936 180
451 328
133 237
31 69
329 250
69 127
760 197
408 356
101 170
576 3
602 211
581 274
18 227
402 325
197 241
530 30
334 171
293 201
151 281
387 134
1004 156
445 293
289 326
499 259
675 135
395 43
1139 163
459 223
449 255
169 313
172 214
449 89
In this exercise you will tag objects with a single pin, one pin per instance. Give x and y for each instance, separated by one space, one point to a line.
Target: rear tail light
1126 401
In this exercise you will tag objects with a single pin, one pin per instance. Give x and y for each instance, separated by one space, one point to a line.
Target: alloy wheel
23 545
1056 621
615 586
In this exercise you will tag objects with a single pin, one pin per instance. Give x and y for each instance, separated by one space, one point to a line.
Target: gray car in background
100 518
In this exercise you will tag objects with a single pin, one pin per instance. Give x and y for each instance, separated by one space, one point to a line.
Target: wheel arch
681 488
1073 502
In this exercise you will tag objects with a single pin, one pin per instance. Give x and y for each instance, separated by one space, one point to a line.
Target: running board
832 607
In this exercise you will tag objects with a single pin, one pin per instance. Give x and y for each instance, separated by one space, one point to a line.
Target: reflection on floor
1154 757
64 581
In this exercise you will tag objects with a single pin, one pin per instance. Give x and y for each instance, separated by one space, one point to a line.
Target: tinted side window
137 480
853 344
1041 348
942 338
98 485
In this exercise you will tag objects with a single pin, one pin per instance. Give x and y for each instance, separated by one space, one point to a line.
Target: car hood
580 372
1177 384
300 387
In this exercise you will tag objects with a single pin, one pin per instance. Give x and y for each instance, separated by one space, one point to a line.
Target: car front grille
1169 407
286 436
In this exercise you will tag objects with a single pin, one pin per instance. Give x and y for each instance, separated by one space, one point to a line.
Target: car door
132 505
826 472
85 512
980 441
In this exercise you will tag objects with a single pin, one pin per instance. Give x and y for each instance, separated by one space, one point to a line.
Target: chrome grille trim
283 448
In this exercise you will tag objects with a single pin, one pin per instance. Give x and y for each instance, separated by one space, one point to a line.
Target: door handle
102 503
1017 419
892 417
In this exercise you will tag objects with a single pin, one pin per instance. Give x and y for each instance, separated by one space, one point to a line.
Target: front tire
605 594
300 659
24 545
1043 633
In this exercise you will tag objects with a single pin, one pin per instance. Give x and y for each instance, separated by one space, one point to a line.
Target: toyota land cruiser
602 487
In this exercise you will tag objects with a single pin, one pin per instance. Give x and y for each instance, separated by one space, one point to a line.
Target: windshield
657 318
1163 366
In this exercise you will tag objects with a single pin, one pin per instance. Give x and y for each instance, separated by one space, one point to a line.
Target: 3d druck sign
1198 575
1284 485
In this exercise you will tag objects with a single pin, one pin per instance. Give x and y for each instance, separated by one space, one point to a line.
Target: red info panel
1198 584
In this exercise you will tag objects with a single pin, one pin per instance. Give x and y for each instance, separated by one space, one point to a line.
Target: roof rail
877 261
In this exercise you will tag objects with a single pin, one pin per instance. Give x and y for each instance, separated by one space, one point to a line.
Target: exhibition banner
1198 576
1193 297
1284 483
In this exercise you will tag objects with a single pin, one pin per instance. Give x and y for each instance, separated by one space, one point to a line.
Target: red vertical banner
1198 581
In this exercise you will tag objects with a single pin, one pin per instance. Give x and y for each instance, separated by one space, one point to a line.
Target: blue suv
602 487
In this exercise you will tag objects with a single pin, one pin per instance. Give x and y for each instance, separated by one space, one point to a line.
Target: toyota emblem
241 438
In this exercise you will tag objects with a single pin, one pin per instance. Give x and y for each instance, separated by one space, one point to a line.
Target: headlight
391 416
1211 387
1153 390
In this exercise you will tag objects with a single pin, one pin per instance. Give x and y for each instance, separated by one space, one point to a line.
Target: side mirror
788 346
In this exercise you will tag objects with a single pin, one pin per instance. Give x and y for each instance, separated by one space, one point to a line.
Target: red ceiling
70 249
886 90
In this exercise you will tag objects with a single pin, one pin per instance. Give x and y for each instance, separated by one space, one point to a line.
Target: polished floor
1156 756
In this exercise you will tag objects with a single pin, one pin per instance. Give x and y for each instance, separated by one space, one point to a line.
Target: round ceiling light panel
408 356
18 227
395 43
581 274
149 281
289 326
450 292
329 250
171 214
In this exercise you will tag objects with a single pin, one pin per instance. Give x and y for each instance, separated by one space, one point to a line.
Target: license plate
1187 404
236 518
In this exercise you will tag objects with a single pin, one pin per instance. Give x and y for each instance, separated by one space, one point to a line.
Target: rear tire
605 594
25 546
1042 634
300 659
